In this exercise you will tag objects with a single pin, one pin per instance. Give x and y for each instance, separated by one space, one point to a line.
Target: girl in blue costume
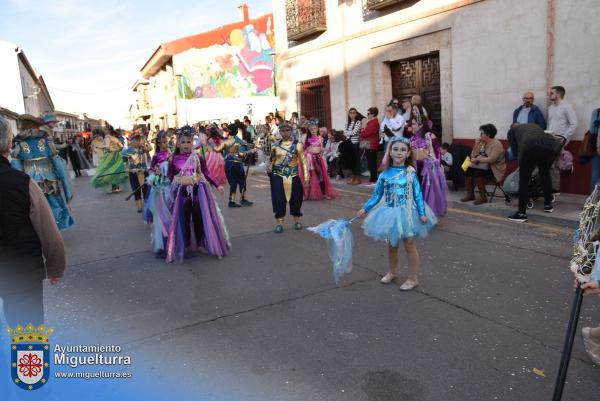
397 211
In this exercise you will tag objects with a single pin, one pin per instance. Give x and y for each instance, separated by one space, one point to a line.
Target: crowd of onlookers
536 141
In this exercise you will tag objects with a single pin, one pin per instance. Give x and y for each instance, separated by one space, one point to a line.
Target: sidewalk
566 206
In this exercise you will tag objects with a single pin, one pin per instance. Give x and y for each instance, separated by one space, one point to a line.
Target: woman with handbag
487 160
369 141
351 154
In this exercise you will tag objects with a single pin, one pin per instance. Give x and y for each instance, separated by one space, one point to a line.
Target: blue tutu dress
396 207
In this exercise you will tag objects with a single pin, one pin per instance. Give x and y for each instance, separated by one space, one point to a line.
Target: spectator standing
324 135
419 114
30 243
351 153
529 113
369 140
392 125
562 121
406 111
332 153
250 131
533 148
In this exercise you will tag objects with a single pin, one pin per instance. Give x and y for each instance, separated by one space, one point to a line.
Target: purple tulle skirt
190 203
433 184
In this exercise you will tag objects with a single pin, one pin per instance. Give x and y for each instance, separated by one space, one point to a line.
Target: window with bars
314 100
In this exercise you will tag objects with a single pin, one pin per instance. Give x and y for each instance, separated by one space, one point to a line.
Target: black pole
568 346
133 193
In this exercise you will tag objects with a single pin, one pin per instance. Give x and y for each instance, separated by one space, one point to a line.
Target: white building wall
11 97
490 53
162 96
29 85
578 56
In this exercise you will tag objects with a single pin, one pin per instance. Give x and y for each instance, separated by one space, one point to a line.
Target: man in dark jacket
529 113
28 236
532 147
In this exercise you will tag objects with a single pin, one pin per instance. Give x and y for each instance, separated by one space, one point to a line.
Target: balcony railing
380 4
305 18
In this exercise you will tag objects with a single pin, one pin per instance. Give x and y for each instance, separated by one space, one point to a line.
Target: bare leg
413 259
393 257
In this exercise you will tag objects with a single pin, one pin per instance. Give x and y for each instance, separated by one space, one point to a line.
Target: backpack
565 161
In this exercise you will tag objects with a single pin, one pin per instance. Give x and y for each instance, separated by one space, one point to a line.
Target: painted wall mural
241 67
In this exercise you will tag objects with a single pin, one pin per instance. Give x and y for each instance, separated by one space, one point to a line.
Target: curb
546 218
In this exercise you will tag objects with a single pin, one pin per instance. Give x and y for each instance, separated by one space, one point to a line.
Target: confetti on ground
539 372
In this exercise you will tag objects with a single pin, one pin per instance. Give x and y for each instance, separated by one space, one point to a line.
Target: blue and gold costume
286 163
36 155
235 151
396 206
136 163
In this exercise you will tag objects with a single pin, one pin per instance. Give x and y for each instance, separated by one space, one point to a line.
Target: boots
139 204
470 190
480 181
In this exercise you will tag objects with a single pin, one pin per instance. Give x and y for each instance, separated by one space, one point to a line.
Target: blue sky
90 52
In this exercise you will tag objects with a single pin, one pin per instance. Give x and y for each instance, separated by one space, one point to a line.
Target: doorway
420 76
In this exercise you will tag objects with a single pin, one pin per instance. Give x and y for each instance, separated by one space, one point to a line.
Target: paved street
268 322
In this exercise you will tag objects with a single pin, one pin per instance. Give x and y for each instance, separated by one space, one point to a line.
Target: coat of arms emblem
30 355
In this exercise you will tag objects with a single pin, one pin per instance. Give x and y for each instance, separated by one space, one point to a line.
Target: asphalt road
267 322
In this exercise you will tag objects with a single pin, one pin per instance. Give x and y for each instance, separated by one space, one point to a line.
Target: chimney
243 13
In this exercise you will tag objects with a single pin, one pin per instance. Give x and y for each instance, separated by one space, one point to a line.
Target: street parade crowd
172 174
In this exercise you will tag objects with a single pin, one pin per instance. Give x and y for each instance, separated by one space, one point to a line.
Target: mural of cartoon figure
242 67
256 62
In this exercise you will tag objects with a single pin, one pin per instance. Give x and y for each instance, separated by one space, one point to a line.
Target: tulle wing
338 235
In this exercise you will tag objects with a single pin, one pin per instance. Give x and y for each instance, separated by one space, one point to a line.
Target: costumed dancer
79 147
97 147
319 185
136 163
214 159
193 204
235 152
35 154
286 163
111 170
397 211
427 154
157 210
